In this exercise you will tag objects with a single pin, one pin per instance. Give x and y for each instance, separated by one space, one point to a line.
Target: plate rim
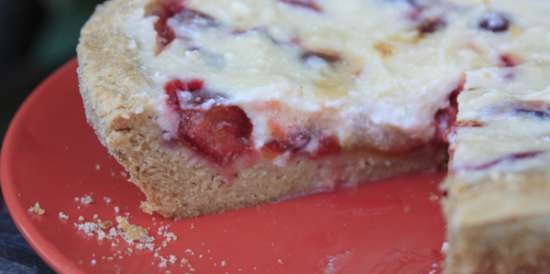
51 255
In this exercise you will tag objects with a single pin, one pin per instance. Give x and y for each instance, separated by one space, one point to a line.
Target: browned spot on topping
385 49
469 123
509 61
431 25
329 56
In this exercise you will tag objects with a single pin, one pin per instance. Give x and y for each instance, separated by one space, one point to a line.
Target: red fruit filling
445 119
509 158
327 146
293 143
509 60
308 4
164 9
297 142
534 109
221 133
178 85
431 25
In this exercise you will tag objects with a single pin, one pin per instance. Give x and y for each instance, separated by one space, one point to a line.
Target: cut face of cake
498 208
213 105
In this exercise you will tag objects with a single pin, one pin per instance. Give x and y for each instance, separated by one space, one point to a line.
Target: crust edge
498 225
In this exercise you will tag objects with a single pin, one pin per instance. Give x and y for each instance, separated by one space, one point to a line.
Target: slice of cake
498 205
213 105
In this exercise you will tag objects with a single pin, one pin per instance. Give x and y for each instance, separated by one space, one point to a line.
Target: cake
213 105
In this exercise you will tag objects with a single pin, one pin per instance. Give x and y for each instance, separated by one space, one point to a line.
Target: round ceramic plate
51 156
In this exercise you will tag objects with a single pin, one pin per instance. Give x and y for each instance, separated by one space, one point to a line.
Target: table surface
16 256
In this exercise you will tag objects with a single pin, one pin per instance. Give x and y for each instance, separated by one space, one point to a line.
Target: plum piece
221 133
494 22
508 158
307 4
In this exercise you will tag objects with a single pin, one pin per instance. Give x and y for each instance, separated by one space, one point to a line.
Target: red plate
51 155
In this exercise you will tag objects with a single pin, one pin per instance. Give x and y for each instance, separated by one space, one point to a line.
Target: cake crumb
93 262
87 228
106 224
280 261
163 262
223 263
63 216
189 251
131 232
434 269
86 200
434 197
98 167
36 209
444 247
147 208
128 238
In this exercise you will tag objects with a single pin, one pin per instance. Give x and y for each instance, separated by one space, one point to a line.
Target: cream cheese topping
515 118
394 63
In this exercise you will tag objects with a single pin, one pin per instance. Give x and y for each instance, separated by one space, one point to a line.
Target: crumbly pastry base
495 240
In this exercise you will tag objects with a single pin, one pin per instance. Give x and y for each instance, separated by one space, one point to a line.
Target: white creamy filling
508 127
389 76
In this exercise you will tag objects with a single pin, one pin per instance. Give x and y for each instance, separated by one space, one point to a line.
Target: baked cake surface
218 104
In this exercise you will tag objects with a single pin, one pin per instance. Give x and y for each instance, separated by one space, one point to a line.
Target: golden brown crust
109 73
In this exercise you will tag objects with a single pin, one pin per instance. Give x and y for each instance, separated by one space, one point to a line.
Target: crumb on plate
36 209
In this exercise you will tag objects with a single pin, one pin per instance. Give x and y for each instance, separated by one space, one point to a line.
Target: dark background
36 37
